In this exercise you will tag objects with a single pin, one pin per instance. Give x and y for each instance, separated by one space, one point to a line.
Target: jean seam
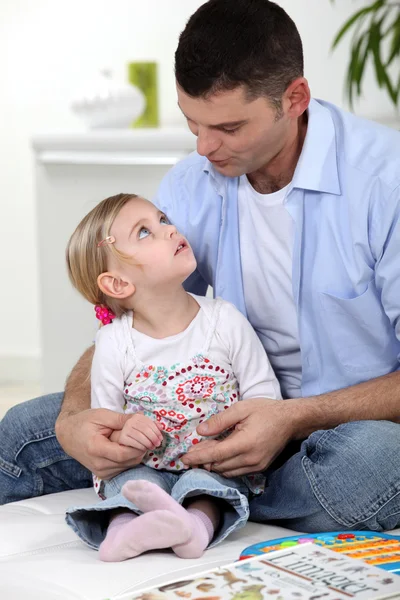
79 533
241 522
393 514
38 483
376 513
36 438
51 461
321 440
114 487
320 497
11 468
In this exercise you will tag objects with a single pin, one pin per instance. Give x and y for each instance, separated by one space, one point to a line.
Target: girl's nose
170 230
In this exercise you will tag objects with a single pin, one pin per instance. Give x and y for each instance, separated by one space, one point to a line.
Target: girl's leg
127 533
198 521
205 513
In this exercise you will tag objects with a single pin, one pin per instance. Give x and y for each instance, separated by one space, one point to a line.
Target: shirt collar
317 167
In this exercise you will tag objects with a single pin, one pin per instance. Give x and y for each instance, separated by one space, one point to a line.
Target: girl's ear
113 285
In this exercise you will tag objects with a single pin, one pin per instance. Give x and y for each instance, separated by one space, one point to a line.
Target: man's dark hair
227 43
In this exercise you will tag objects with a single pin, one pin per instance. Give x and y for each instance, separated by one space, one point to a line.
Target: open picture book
302 572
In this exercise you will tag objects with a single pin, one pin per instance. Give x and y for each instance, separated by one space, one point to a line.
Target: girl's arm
108 381
249 360
107 377
107 374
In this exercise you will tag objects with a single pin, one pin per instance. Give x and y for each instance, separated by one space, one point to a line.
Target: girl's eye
164 220
144 232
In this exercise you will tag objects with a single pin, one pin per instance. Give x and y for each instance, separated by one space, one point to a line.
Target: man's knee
27 439
39 413
354 473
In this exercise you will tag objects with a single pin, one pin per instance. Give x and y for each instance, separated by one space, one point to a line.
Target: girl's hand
141 433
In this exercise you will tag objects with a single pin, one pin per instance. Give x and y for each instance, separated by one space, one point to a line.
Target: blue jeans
90 522
344 478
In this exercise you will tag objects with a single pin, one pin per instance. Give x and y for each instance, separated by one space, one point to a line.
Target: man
292 209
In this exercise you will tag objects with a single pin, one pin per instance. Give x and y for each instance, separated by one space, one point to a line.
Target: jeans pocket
354 472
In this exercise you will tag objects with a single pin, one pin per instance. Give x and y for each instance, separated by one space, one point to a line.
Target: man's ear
115 286
297 97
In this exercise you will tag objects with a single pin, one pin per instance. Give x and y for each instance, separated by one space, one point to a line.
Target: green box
144 76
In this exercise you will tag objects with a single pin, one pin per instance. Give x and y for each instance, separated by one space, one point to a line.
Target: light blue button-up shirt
345 202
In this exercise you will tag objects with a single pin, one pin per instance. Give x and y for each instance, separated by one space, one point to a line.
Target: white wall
48 49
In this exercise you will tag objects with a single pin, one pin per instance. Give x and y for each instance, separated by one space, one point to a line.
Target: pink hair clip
108 240
104 314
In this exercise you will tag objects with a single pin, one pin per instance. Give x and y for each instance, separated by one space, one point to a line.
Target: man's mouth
220 160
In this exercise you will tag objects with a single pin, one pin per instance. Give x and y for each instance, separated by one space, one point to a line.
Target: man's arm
77 388
274 423
374 400
85 433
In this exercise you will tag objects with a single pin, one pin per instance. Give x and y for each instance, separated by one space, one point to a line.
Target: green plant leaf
361 54
395 42
369 41
380 71
375 38
375 6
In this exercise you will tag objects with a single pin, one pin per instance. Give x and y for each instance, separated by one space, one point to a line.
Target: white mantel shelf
158 146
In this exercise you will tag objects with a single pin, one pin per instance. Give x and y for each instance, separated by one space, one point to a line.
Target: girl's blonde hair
86 260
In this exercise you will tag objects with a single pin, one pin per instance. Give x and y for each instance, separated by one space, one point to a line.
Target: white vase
106 103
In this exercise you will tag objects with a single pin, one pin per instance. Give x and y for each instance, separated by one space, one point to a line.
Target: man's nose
207 142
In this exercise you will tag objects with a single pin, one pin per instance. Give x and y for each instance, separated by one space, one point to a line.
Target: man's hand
205 444
262 428
141 433
85 437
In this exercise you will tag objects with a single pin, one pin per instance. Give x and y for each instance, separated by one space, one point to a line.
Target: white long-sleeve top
181 380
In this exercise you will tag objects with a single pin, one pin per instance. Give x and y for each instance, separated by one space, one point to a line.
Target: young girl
171 360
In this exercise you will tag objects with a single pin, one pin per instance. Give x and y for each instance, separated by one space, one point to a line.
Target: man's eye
231 130
144 232
164 220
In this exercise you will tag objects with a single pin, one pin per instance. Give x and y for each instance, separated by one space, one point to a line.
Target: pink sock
129 535
113 531
150 498
202 534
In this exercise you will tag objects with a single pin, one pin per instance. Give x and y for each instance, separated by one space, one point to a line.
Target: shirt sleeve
249 360
107 374
385 225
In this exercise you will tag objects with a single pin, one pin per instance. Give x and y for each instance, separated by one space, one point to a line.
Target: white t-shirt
266 244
